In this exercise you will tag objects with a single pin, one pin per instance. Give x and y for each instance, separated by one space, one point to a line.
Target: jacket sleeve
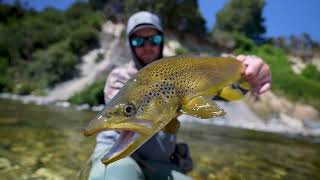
115 81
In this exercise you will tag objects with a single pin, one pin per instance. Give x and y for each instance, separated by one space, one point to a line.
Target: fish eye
129 109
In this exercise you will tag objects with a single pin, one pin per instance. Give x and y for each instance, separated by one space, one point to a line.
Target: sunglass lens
156 40
137 42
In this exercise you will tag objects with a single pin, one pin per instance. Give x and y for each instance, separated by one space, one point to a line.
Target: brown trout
160 92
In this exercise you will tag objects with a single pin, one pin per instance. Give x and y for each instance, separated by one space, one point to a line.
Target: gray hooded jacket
162 145
140 20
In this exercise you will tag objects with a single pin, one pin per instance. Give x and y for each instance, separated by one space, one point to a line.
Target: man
160 157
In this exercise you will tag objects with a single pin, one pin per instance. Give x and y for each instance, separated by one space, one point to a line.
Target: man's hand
257 73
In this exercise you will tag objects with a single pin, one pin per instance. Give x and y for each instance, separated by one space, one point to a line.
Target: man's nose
148 44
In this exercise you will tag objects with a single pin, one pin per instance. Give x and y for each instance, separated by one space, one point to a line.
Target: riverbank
45 100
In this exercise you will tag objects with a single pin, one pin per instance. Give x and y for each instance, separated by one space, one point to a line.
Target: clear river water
46 142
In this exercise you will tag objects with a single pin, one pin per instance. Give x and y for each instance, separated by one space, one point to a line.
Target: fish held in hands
160 92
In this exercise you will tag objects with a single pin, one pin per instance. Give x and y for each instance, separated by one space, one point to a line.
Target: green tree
181 15
242 16
40 49
55 64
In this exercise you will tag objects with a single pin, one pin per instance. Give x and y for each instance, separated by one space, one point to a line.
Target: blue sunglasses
155 40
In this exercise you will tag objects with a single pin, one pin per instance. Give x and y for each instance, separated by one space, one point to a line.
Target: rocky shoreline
43 100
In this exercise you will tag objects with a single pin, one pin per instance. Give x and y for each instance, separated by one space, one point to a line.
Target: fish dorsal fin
202 107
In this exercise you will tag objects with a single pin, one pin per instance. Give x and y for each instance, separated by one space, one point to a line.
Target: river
46 142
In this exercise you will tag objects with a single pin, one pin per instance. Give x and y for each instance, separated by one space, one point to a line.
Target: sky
282 17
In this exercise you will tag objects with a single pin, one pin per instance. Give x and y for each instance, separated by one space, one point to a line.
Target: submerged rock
305 112
46 159
98 108
63 104
5 164
29 160
9 120
82 107
47 174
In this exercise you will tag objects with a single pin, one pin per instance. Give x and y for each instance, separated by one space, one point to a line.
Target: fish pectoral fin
234 92
202 107
230 94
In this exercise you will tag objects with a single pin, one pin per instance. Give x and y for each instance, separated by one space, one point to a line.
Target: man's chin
148 59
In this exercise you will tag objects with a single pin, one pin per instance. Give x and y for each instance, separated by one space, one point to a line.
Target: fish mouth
120 148
132 136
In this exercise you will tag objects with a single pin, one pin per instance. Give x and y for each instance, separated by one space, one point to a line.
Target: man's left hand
257 73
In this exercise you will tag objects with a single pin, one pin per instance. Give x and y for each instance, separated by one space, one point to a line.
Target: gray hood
139 20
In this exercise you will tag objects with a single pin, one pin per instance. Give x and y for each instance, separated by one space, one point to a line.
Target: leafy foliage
311 72
40 49
181 15
10 13
242 16
231 40
284 80
93 94
53 65
181 50
99 58
83 39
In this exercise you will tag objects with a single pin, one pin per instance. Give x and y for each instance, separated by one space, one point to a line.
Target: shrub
99 58
232 40
311 72
285 81
31 44
54 65
93 20
92 95
242 43
24 88
78 10
3 78
181 50
83 39
5 83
